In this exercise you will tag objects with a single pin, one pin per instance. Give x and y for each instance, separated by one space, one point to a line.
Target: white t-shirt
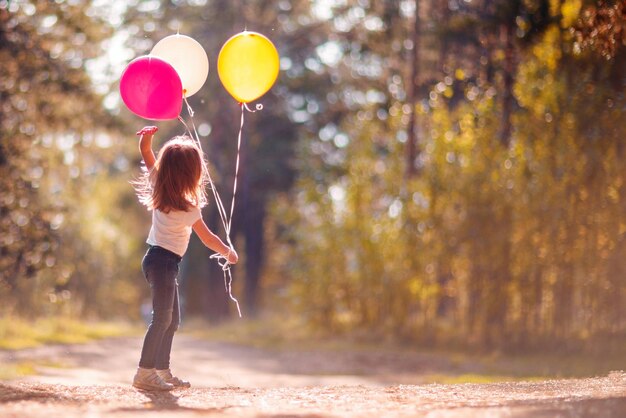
172 230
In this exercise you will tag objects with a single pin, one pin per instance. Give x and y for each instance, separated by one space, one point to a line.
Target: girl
173 188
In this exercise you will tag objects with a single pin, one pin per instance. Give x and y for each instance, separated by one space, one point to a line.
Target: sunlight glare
330 53
323 9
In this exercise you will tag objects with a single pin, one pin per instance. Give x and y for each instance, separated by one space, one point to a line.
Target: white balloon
188 58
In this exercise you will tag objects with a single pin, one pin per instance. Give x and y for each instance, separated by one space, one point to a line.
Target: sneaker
148 379
167 376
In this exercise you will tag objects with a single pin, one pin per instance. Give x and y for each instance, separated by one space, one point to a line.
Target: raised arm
145 145
213 242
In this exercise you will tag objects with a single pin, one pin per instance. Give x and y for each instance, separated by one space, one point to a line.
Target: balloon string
205 169
218 200
226 223
228 278
232 203
189 109
226 220
244 106
258 106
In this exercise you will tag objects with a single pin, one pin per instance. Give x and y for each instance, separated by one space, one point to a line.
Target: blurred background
430 172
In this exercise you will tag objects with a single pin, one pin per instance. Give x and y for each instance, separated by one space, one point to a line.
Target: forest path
235 381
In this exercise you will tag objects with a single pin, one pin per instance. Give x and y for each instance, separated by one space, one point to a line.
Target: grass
17 333
25 368
267 333
558 365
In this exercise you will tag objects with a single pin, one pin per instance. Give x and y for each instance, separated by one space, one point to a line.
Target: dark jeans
160 267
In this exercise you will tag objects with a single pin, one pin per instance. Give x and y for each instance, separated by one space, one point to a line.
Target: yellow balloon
248 65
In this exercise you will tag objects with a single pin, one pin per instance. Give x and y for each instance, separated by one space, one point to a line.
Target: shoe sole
152 388
183 386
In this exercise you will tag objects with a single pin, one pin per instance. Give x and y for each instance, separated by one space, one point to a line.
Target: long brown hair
177 180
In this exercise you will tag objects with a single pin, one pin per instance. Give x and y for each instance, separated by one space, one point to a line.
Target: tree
52 155
516 206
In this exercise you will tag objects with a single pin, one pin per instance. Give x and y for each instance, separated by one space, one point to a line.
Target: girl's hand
145 145
147 130
232 256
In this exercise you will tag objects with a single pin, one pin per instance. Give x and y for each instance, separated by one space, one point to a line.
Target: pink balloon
151 88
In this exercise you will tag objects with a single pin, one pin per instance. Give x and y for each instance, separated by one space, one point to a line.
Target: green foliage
17 333
497 242
25 368
63 243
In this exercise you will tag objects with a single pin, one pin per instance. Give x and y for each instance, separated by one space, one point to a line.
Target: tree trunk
202 282
254 223
412 93
507 33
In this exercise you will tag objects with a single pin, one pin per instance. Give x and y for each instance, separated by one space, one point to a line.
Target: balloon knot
258 106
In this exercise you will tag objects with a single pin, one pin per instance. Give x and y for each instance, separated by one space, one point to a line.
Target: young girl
173 188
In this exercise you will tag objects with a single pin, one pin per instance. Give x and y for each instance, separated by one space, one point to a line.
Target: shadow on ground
614 407
166 401
10 393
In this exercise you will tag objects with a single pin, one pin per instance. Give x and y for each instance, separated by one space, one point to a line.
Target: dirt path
233 381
